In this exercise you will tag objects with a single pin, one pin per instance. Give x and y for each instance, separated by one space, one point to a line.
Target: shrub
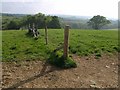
58 60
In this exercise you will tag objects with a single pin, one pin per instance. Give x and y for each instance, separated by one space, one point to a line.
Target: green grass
17 46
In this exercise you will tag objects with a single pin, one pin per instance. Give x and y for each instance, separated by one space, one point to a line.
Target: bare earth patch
90 73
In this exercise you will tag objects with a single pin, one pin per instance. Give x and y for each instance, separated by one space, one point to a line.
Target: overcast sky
107 8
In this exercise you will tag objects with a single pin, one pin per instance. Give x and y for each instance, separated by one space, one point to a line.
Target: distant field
16 45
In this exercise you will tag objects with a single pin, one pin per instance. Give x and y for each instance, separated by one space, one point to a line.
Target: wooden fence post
46 37
66 36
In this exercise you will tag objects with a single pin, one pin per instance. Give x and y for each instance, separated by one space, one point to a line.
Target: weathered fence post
46 38
66 36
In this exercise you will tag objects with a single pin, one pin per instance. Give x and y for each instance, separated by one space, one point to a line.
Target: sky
107 8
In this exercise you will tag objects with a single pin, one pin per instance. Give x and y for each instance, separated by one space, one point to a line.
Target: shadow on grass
30 35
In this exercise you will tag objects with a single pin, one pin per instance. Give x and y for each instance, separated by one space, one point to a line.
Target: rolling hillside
18 46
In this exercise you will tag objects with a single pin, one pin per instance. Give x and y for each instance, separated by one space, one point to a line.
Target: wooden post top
67 26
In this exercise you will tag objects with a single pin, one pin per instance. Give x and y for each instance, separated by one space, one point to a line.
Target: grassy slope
16 45
0 45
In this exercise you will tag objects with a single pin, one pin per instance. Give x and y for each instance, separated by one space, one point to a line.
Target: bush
58 60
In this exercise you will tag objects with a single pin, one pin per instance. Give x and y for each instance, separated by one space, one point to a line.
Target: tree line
40 20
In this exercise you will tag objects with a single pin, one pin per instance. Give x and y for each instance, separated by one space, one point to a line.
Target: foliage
54 23
74 22
58 60
11 22
98 21
16 45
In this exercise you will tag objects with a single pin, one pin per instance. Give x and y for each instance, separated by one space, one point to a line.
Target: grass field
16 45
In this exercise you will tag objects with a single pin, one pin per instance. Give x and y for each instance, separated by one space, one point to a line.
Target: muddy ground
90 73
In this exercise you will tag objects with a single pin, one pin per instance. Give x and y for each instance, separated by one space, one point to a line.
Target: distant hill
76 22
15 15
74 17
79 17
62 16
80 22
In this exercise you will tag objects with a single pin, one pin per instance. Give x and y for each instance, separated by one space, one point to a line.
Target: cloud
20 0
107 8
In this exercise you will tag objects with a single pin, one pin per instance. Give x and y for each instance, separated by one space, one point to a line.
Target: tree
13 24
54 23
98 22
39 20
